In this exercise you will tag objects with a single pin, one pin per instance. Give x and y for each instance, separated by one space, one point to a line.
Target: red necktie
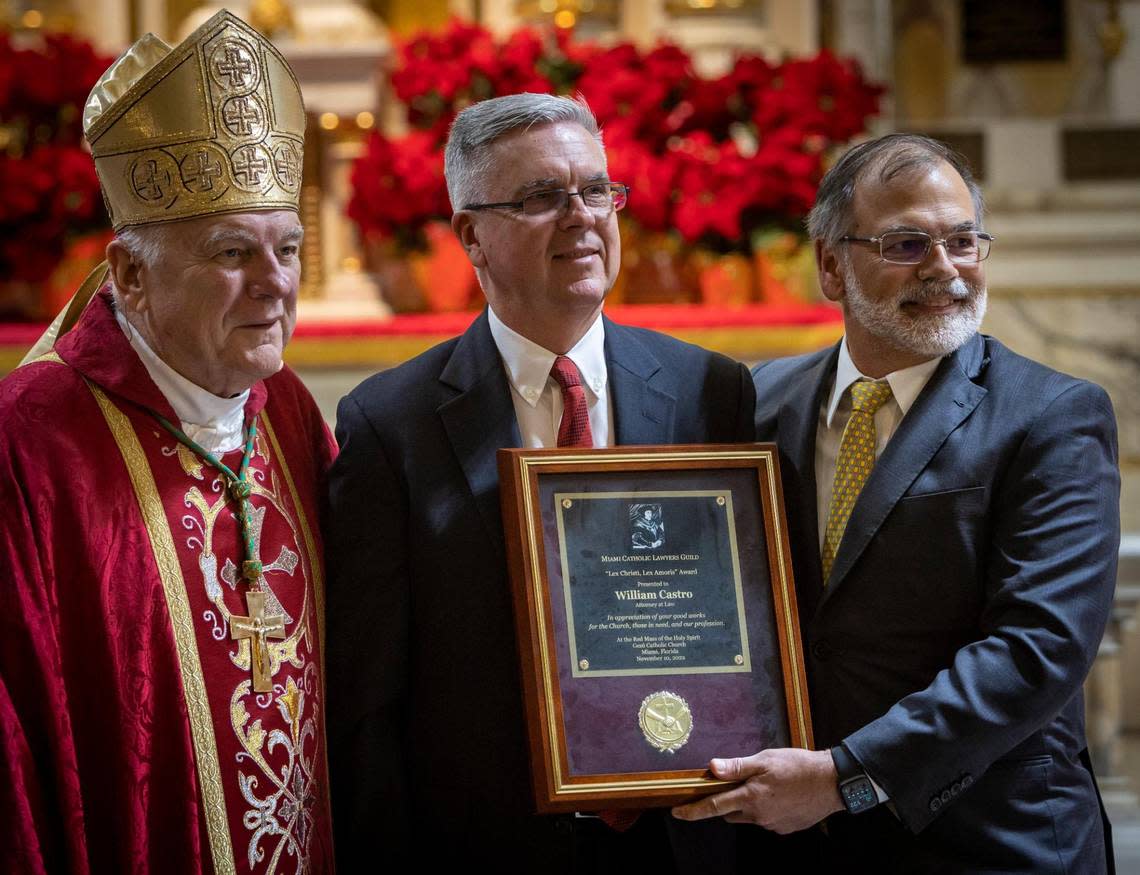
574 430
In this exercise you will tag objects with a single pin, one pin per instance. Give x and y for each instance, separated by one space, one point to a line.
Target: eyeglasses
601 198
912 247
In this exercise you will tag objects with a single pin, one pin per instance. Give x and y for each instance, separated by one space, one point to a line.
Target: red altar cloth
130 737
660 317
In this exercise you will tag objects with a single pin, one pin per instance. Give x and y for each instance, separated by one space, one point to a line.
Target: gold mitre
214 125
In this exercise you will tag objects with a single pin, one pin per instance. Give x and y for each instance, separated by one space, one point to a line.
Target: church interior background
720 114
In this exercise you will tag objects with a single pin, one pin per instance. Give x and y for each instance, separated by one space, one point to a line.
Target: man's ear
828 262
127 274
463 224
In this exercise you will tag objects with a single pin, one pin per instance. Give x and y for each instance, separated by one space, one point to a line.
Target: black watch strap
855 787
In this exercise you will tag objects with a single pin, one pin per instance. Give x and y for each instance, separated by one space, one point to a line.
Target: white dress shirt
833 415
215 424
537 397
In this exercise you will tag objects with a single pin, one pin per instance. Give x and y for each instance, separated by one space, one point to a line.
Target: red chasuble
131 738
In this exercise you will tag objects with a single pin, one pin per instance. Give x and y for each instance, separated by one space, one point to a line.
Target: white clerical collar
215 423
906 384
528 364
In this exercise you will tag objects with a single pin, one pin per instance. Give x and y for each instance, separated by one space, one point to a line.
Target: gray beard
927 336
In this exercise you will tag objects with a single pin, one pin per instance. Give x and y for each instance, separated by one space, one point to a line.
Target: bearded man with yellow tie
428 737
953 513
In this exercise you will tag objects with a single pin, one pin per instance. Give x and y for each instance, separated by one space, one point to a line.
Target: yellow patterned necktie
854 464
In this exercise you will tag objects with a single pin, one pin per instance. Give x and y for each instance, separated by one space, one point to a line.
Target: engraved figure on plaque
647 527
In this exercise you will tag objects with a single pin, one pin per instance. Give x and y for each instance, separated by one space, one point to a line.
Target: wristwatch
855 788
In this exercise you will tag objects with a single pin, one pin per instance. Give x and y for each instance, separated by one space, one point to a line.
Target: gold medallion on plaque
665 720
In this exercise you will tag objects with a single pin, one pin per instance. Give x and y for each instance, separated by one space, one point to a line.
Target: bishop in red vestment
161 473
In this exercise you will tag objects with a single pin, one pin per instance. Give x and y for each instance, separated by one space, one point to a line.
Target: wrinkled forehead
548 152
913 195
262 225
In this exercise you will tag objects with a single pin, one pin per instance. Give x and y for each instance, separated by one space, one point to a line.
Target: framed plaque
656 618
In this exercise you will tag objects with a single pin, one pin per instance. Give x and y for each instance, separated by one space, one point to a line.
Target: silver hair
145 244
467 157
881 160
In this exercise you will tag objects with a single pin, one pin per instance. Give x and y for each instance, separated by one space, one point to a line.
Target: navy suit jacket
963 611
427 740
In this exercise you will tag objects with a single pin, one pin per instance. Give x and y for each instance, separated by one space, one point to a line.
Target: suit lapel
949 397
643 414
798 420
480 419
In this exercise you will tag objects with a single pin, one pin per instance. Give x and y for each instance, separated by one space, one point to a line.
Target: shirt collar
528 364
193 404
906 384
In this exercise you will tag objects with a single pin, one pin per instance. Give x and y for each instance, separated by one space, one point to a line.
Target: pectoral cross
258 628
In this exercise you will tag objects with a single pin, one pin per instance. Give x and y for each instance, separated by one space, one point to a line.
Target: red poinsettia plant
48 187
714 159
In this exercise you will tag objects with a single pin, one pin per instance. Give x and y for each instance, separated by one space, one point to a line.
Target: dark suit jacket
427 738
963 611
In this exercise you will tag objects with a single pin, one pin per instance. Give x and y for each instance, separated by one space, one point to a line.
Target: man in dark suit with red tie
954 518
428 745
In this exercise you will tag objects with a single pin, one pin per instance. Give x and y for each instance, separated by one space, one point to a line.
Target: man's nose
937 264
268 276
576 212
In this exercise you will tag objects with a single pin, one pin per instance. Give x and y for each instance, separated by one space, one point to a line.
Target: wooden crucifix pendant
258 628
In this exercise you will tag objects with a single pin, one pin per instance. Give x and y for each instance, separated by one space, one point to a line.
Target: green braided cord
237 485
251 568
201 451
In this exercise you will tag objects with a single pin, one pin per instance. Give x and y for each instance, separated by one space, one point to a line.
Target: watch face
858 794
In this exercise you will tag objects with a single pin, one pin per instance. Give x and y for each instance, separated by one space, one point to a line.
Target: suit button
946 797
967 781
955 788
820 650
935 804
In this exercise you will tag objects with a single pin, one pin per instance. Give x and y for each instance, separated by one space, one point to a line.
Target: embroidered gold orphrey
193 683
279 749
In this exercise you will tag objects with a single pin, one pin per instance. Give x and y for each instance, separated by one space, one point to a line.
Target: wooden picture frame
656 618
